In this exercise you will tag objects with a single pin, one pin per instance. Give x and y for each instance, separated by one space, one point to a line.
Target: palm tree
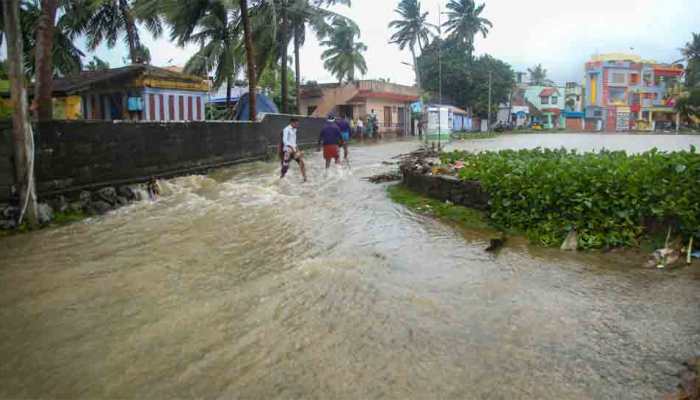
97 64
53 40
110 19
538 75
344 54
313 14
44 65
411 30
464 22
250 58
21 128
216 31
691 51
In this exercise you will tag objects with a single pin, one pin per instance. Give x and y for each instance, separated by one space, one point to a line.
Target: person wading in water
289 150
330 138
345 135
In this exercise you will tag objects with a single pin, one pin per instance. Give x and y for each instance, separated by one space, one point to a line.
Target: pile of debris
423 156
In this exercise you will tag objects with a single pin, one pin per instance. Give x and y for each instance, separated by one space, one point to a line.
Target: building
628 93
550 102
517 112
391 102
136 92
573 97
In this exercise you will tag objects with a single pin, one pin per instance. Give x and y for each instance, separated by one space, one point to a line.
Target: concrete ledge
446 188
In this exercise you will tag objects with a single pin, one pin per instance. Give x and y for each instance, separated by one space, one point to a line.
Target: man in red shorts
330 139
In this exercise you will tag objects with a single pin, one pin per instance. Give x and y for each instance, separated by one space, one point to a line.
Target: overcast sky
560 34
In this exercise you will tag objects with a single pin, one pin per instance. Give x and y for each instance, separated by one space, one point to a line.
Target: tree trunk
132 35
284 58
21 128
415 68
250 59
44 60
228 93
297 68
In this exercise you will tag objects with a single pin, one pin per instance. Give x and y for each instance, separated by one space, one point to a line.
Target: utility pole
21 128
489 120
439 108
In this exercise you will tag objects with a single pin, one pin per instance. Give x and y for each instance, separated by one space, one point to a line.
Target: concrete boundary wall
446 188
76 155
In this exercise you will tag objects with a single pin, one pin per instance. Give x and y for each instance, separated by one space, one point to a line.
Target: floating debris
386 177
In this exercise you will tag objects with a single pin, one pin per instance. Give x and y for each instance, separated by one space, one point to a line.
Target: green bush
608 197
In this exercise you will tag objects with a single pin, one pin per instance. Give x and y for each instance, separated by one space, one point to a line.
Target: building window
545 99
617 95
634 79
555 99
597 113
618 78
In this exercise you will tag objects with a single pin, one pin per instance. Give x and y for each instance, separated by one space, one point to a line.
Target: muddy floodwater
236 285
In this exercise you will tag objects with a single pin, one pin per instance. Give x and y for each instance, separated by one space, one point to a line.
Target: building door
387 117
402 120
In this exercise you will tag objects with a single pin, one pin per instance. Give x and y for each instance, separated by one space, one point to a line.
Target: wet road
238 285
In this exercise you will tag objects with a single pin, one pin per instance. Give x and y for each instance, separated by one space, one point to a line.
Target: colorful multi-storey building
626 93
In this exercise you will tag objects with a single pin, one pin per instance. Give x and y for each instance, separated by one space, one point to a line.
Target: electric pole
489 117
439 108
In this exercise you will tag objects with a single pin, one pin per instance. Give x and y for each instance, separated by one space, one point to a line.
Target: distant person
330 138
360 128
290 150
344 135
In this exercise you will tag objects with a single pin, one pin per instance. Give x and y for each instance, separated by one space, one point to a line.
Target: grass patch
462 216
59 219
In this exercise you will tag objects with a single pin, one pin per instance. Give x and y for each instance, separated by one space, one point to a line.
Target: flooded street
237 285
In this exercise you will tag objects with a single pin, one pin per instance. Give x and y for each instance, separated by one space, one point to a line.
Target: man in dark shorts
289 149
344 134
330 139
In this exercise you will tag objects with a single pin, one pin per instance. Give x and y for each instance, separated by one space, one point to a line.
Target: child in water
153 189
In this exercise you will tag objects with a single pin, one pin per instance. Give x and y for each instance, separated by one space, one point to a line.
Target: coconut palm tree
411 29
112 18
250 58
692 49
691 52
464 22
217 33
49 44
315 15
344 54
21 128
538 75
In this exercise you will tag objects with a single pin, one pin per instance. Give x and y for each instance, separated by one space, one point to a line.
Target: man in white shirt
289 149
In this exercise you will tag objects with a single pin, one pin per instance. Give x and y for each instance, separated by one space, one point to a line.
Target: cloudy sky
560 34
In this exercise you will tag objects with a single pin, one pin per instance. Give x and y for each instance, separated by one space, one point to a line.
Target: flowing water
237 285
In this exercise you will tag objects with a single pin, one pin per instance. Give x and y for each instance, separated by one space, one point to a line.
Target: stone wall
76 155
446 188
6 168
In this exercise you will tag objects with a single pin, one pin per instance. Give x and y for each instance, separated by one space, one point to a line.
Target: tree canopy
468 79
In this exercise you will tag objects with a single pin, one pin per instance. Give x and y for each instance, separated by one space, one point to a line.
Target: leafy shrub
607 197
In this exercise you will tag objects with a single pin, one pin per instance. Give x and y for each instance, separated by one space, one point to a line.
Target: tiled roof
546 92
